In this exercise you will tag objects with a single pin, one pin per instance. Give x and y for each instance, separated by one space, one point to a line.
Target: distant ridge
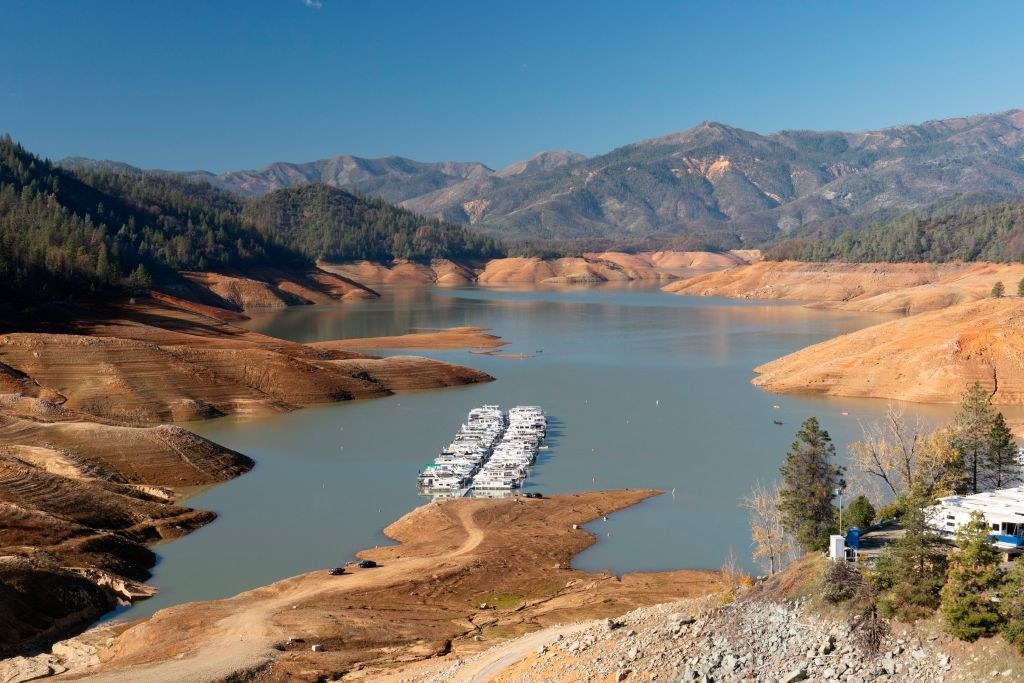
724 185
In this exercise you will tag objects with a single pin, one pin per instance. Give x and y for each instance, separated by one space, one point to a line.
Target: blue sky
229 85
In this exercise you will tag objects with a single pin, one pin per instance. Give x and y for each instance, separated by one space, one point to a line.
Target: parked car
336 571
366 564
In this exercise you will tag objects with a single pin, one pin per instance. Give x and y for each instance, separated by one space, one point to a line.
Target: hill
336 225
971 228
110 228
719 185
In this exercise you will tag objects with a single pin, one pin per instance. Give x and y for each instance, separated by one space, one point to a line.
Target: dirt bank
956 333
593 268
466 573
267 288
928 358
880 287
451 338
89 475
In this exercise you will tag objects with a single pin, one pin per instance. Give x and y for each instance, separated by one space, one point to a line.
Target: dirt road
468 574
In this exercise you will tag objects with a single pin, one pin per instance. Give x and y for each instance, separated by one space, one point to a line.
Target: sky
218 85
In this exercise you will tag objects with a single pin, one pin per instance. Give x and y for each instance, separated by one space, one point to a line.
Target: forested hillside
337 225
65 234
62 235
950 231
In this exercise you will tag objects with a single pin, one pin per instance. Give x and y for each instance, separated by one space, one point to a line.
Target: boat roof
1001 502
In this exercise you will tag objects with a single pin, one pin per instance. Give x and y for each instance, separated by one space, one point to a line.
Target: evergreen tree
809 479
998 290
859 513
1020 287
974 579
1011 606
911 571
140 279
973 429
1001 468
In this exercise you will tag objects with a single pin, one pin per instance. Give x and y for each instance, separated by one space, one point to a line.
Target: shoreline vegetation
81 385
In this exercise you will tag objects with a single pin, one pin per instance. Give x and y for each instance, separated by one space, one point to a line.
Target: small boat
778 422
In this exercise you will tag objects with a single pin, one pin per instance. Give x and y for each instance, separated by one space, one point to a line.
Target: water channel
643 390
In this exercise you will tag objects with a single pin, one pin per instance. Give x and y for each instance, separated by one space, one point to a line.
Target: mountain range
727 186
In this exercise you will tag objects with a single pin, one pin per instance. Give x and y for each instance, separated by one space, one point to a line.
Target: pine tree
809 479
859 513
998 290
1020 287
911 571
973 427
974 579
1011 606
1001 459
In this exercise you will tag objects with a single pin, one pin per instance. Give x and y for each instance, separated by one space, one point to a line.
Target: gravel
752 640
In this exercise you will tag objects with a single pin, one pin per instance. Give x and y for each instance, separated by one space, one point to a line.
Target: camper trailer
1003 509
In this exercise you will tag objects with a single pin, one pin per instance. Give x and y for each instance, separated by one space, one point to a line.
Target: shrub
840 581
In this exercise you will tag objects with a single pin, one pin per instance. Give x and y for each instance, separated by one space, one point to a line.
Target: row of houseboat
491 453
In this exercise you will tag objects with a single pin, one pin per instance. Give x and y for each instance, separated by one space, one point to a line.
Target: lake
642 389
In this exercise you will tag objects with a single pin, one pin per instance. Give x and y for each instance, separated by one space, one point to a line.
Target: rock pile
744 641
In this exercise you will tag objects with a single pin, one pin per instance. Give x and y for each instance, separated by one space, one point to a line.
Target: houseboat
1003 510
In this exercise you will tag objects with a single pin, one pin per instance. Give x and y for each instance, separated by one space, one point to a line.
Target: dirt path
490 664
244 638
466 575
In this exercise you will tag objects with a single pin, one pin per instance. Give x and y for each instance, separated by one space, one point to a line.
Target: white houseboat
1003 510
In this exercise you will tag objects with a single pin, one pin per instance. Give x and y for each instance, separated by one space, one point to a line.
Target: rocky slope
752 639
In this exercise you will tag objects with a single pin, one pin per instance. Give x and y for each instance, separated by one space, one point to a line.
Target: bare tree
904 457
731 577
771 546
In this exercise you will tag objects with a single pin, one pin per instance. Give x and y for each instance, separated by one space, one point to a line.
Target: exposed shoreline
450 585
209 367
90 471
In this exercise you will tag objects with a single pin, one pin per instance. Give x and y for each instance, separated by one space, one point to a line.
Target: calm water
642 389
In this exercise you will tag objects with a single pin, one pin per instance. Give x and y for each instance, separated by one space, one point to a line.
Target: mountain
391 178
713 183
739 185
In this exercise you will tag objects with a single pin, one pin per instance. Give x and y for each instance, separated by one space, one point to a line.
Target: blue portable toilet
853 538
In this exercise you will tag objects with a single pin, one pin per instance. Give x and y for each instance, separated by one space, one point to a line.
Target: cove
642 389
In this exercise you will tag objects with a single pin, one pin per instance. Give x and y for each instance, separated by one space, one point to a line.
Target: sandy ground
451 338
453 584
